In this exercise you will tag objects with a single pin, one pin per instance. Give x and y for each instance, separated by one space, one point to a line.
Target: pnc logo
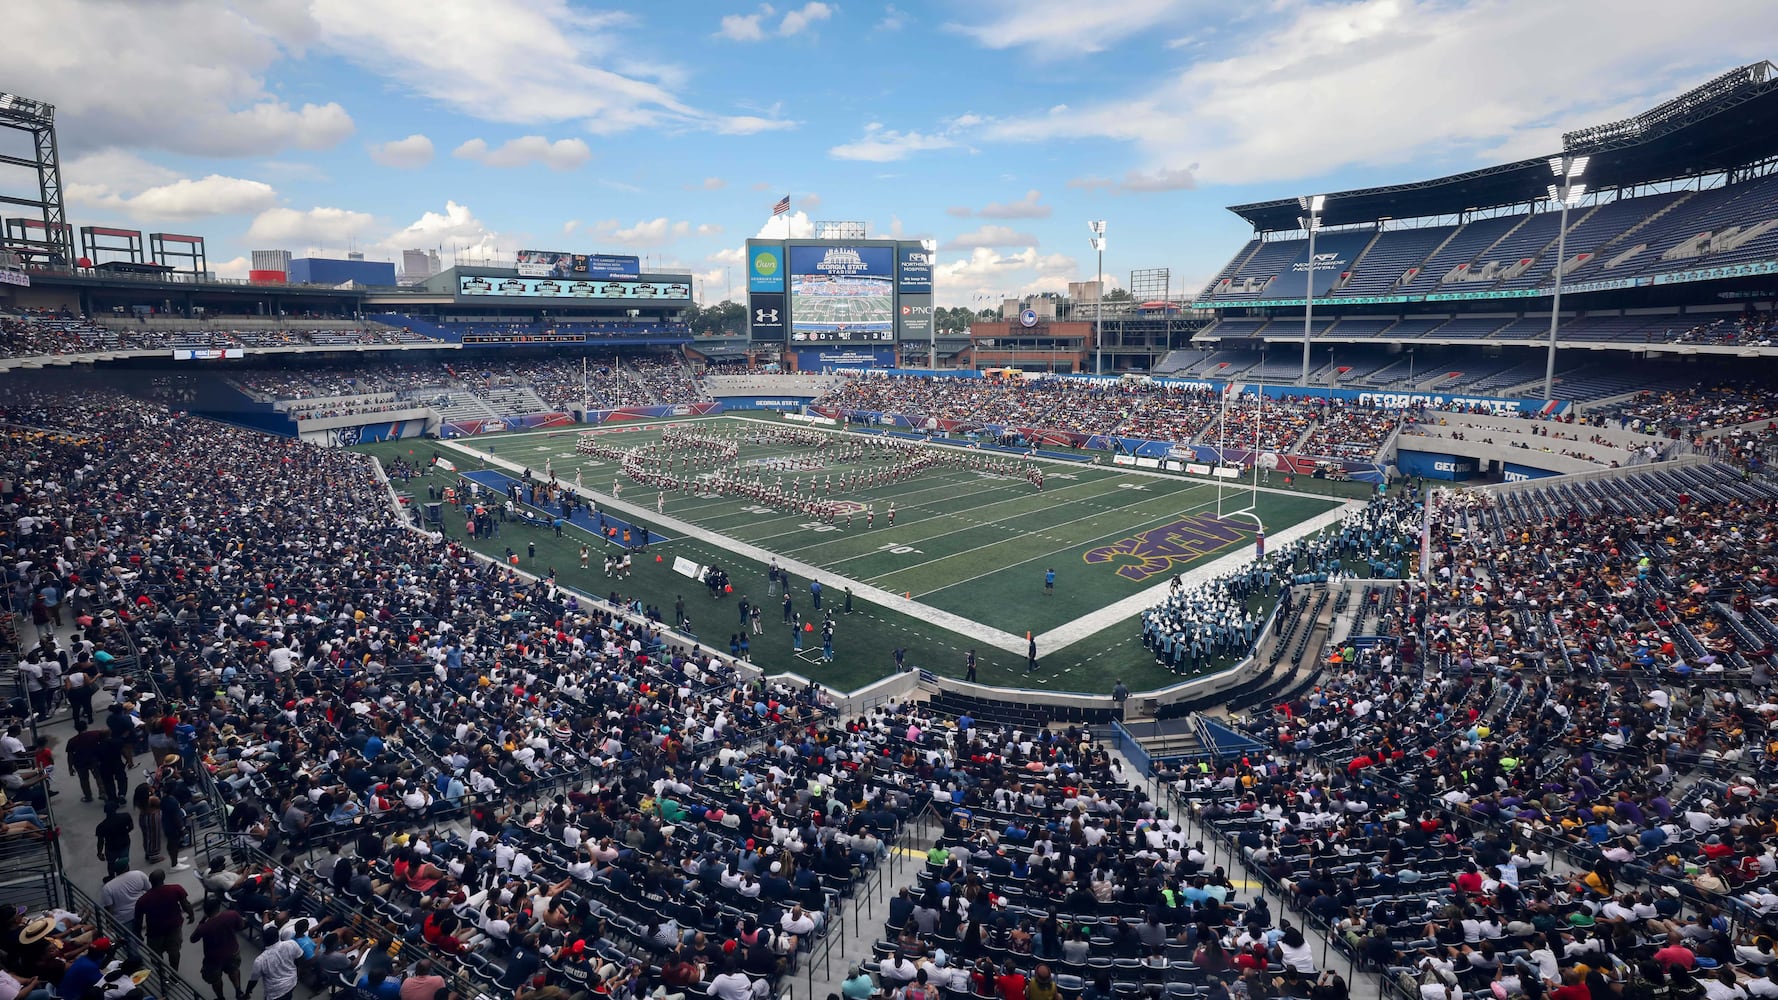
765 263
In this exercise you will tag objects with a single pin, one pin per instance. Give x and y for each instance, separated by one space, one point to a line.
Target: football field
963 565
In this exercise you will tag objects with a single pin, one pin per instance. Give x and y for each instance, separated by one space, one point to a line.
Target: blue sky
996 127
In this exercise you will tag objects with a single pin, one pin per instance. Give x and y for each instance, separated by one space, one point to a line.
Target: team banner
554 264
557 288
914 270
765 267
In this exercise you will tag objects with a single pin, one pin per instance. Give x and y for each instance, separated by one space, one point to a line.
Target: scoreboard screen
842 294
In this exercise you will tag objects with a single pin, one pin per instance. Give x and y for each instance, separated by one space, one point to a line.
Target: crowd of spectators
1552 773
1128 409
1705 406
1753 326
1055 876
520 780
27 333
664 378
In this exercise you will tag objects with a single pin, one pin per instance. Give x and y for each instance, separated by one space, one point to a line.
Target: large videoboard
842 294
862 294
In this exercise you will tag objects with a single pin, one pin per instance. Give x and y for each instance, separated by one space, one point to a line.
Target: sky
997 128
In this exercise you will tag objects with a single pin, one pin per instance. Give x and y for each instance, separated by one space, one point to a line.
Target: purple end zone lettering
1155 551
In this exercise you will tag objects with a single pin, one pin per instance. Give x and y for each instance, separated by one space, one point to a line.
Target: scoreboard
839 302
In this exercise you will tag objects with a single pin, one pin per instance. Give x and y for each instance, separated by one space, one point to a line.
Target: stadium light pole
1098 243
1568 170
1312 204
931 248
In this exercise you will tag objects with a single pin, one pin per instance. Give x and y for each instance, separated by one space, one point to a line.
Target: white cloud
791 225
187 76
235 268
187 198
570 226
745 27
812 202
760 186
989 236
893 19
797 21
960 211
1028 207
728 256
984 276
1138 182
320 226
1417 63
562 154
456 229
403 154
753 27
516 62
714 184
1067 27
882 145
657 232
751 125
116 181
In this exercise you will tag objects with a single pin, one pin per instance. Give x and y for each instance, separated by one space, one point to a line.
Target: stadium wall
1490 451
219 400
781 403
342 433
525 422
627 413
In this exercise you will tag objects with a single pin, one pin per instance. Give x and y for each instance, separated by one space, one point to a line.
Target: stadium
1391 616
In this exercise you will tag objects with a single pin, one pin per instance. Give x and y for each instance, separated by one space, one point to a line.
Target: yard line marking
1119 533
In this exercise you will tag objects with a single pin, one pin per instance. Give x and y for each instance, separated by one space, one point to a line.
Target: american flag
782 206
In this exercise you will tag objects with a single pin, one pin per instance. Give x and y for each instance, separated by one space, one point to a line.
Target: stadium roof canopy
1730 122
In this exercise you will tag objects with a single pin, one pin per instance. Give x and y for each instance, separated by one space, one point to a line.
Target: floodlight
1311 202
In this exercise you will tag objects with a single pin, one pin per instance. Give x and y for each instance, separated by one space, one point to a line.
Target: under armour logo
765 315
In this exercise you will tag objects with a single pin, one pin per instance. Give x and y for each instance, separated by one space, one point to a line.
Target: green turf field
971 543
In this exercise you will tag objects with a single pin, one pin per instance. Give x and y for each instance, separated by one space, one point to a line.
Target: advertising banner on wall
914 269
765 316
556 264
1435 465
914 317
765 267
814 360
1513 472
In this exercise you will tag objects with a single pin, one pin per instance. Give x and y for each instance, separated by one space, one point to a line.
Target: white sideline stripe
1004 641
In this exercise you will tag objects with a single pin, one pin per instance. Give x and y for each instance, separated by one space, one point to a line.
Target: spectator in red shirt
1715 849
1572 988
1010 984
1676 955
1470 881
